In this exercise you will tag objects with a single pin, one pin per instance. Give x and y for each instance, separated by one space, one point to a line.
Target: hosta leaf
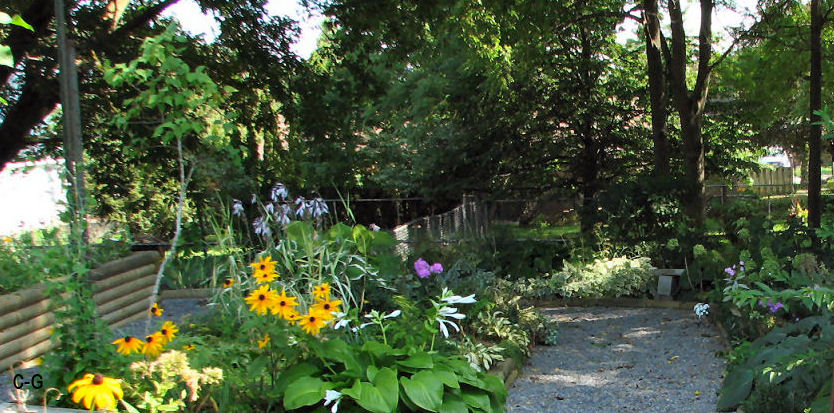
736 388
305 391
424 389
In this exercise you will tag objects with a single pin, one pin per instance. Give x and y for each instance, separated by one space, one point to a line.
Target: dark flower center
326 306
98 379
262 297
282 303
149 339
127 339
263 266
312 319
164 332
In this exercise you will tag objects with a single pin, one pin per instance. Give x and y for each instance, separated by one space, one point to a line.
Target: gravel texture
178 310
622 360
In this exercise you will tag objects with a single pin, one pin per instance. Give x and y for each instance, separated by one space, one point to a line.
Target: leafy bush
30 258
783 370
604 278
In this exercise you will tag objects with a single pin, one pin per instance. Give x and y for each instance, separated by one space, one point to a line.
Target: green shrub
616 277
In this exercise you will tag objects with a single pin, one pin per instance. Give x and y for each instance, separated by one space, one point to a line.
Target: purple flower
730 271
436 268
422 268
741 262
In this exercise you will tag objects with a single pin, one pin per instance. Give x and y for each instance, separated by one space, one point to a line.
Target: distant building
776 156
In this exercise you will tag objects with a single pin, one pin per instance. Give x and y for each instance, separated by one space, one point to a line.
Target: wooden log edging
122 292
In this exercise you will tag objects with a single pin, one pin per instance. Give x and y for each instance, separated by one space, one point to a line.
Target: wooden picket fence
123 291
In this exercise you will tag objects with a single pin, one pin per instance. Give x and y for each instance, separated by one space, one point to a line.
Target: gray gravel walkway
622 360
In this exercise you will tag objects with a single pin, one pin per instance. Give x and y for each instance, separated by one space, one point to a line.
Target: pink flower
436 268
422 268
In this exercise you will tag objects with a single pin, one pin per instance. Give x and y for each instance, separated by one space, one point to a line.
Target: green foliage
783 370
79 333
604 278
164 99
377 377
36 256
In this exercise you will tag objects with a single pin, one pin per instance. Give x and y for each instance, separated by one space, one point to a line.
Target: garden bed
123 293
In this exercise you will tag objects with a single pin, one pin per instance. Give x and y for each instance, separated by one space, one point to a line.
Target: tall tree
690 103
815 134
655 43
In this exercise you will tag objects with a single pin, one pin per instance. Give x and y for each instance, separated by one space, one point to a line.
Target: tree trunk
693 155
657 86
815 135
690 105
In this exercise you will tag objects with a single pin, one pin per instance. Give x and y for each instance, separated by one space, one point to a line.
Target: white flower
374 227
279 192
456 299
329 397
237 208
319 207
282 214
253 199
270 209
343 322
701 309
302 207
392 314
261 227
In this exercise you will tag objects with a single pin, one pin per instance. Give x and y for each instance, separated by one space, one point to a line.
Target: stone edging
612 302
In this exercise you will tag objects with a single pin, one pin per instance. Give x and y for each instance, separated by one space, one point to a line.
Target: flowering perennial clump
424 270
773 307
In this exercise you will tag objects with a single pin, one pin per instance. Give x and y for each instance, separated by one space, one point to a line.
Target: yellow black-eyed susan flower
96 391
321 292
284 305
312 322
292 316
261 300
228 283
156 310
168 330
188 347
153 344
264 269
262 343
326 308
128 344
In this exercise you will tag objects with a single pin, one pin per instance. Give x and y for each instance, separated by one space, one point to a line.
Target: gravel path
178 310
622 360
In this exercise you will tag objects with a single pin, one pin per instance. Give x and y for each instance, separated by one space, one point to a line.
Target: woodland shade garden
185 140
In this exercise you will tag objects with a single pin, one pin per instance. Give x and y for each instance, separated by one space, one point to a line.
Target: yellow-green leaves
6 56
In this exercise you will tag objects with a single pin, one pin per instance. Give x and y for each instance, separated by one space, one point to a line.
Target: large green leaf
453 403
305 391
368 396
300 232
6 56
477 399
386 382
419 360
294 373
737 386
424 389
340 351
18 21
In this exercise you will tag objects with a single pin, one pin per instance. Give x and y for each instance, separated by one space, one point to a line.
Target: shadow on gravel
622 360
